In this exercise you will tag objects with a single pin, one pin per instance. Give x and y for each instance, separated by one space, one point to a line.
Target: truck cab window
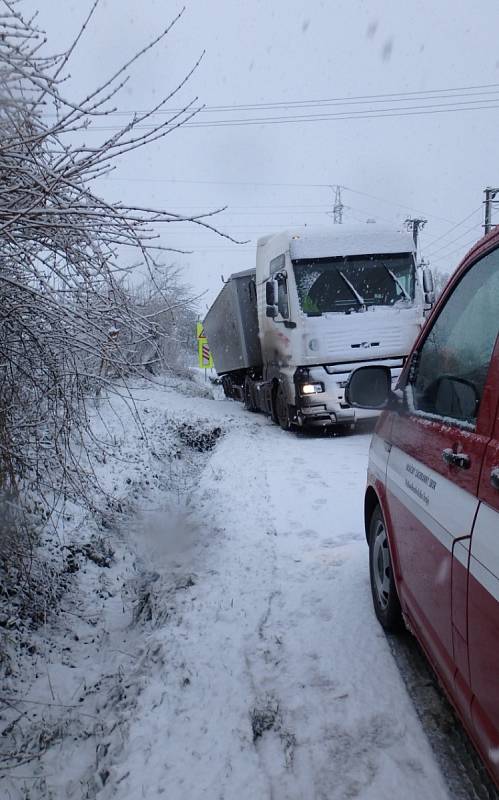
277 264
349 283
455 357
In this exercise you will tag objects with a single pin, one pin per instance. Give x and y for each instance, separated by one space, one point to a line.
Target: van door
438 446
483 595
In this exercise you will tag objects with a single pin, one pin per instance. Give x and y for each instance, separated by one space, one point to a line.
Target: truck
286 335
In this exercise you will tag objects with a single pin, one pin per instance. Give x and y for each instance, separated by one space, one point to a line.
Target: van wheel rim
381 565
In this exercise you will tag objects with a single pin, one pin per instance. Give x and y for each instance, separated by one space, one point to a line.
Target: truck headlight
311 388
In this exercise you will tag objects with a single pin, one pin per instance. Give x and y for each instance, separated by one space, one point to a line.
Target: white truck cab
329 300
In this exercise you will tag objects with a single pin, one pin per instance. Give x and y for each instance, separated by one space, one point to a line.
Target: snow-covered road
229 651
275 680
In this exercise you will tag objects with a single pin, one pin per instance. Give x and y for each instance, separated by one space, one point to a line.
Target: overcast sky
279 51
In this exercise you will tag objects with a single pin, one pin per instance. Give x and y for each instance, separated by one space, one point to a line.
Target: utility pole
415 225
488 203
338 207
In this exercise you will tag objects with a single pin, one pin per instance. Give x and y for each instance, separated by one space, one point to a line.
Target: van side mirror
369 387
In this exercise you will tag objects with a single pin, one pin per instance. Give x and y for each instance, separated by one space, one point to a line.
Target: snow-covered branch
68 321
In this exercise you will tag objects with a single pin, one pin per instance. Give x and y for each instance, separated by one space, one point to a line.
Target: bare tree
67 322
172 324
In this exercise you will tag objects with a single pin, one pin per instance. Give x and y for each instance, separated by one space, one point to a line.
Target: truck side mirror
369 387
428 286
271 312
271 293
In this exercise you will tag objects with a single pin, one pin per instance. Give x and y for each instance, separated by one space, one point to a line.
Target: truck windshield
352 283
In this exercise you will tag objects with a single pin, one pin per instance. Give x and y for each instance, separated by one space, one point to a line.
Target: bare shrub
70 326
67 321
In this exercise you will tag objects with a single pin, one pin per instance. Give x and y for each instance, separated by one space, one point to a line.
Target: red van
432 497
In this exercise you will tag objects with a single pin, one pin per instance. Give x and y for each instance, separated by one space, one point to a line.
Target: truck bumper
329 407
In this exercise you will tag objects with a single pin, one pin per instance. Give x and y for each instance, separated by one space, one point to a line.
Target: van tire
384 591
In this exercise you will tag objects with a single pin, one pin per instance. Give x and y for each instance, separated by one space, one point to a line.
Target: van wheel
384 592
282 409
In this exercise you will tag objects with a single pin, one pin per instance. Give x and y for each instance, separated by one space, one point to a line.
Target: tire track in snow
342 744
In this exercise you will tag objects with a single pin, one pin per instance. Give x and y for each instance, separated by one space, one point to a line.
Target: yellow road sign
205 357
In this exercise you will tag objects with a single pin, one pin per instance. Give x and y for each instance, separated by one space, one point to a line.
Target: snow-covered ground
224 646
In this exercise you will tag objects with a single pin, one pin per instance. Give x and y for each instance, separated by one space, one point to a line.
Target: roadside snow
230 650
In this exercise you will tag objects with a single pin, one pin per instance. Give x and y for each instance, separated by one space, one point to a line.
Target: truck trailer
286 336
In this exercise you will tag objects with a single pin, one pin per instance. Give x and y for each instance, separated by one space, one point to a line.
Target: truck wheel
384 592
227 386
248 395
281 409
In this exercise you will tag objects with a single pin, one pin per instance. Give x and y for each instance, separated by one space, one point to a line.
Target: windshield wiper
358 296
396 280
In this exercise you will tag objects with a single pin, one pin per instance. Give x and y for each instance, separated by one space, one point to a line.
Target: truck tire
281 409
227 386
384 592
249 403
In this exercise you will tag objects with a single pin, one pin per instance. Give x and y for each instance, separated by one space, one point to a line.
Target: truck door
438 446
483 594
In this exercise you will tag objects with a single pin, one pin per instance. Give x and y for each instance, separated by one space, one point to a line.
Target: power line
432 253
257 213
268 184
387 113
316 206
220 183
480 90
462 249
256 227
457 225
390 202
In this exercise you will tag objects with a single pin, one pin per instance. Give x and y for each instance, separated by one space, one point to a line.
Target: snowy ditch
75 671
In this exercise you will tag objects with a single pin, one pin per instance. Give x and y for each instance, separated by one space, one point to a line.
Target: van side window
452 363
